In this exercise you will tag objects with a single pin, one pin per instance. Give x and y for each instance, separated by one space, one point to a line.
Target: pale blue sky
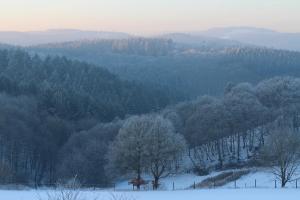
148 16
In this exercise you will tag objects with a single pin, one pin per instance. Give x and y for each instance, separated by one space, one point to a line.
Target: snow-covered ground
264 179
182 181
265 183
214 194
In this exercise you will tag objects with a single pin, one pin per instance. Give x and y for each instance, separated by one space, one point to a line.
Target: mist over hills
256 36
200 41
217 37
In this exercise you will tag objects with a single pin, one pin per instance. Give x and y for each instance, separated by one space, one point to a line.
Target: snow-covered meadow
245 190
262 178
179 182
213 194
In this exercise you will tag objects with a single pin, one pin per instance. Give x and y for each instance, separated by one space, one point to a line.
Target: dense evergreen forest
182 65
75 90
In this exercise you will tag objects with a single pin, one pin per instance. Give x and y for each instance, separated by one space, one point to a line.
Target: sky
148 16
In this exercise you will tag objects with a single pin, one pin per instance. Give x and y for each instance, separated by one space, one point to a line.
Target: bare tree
282 153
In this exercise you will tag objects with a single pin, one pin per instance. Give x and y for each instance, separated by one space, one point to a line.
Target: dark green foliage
74 90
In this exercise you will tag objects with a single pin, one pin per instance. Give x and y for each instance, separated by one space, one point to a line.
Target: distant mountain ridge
55 36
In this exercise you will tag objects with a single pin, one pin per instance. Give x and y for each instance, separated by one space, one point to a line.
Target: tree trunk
283 177
219 154
138 185
238 147
156 183
283 182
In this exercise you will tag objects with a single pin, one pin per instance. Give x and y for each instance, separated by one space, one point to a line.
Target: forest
186 67
84 115
45 101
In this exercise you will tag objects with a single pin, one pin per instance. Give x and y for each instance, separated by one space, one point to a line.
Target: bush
68 191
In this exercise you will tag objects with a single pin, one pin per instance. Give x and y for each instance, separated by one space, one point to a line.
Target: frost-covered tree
208 124
246 112
282 153
198 121
282 96
163 146
127 154
146 143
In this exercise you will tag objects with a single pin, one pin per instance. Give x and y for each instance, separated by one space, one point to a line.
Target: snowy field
265 183
181 182
214 194
263 178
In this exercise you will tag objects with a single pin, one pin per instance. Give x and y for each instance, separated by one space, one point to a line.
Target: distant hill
256 36
201 41
75 90
55 36
190 69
